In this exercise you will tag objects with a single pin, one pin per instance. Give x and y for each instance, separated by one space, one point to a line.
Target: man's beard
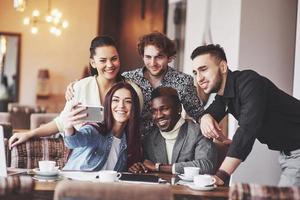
218 83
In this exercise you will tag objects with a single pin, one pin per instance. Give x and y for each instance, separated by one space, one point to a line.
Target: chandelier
20 5
53 18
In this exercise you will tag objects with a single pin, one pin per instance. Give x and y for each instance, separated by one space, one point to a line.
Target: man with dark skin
175 143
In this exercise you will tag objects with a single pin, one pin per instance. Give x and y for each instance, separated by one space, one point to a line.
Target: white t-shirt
113 154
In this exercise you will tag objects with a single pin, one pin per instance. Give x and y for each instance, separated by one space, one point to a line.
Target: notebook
3 169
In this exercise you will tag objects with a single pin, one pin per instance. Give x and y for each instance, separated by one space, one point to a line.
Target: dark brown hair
160 41
214 50
132 128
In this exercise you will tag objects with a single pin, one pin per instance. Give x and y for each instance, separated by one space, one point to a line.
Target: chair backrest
16 187
20 115
241 191
38 119
27 155
5 117
110 191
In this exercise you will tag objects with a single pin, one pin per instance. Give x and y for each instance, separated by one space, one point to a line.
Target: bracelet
223 175
157 165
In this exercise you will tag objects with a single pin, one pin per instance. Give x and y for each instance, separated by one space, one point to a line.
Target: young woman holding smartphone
112 145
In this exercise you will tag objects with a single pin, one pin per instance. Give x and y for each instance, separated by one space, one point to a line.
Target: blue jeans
290 167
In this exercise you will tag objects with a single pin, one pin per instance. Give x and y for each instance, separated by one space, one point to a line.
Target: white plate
185 178
203 188
41 173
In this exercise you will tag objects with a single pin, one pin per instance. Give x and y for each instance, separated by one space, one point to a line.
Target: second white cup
109 176
204 180
190 172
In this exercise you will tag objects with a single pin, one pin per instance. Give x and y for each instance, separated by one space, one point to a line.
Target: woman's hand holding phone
73 117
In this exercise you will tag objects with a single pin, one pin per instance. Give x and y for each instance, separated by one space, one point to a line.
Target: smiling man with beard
157 52
176 142
263 112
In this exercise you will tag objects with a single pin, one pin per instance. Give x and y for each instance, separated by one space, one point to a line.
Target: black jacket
263 111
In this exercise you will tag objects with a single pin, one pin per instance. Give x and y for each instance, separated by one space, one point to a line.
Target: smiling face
121 104
165 113
106 61
155 61
208 72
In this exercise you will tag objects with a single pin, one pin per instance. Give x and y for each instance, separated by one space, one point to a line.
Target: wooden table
180 192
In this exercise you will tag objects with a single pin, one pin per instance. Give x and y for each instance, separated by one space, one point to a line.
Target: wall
224 26
296 89
64 56
256 35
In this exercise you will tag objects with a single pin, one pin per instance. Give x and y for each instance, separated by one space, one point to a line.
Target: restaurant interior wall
65 56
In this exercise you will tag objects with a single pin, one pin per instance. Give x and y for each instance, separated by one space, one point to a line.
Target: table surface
177 190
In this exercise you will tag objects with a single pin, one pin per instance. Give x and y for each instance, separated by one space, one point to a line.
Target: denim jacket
91 150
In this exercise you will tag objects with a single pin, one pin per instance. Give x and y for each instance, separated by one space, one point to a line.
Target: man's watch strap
157 165
223 175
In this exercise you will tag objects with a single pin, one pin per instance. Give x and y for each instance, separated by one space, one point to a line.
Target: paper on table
81 176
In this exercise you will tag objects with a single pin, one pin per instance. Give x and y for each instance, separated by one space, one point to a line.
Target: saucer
46 173
46 178
185 178
203 188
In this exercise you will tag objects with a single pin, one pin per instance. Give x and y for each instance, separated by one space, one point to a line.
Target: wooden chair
20 115
82 190
5 118
28 154
244 191
38 119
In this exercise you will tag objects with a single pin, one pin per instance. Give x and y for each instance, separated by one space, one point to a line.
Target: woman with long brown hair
112 145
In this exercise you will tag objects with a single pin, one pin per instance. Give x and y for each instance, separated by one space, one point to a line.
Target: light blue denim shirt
91 150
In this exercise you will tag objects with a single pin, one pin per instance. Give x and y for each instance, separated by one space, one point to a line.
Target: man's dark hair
166 91
160 41
214 50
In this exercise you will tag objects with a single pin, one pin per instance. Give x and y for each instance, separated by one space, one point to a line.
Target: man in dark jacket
263 111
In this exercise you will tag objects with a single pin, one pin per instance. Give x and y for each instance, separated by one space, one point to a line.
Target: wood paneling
127 20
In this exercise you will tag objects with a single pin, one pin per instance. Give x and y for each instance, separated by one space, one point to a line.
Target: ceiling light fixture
20 5
53 17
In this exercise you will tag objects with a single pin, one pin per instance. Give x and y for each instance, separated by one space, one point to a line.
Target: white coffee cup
204 180
109 176
190 172
47 165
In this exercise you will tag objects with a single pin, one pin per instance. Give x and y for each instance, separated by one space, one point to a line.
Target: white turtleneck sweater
170 139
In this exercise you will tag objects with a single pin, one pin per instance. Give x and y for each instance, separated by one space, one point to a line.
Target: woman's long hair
102 41
134 149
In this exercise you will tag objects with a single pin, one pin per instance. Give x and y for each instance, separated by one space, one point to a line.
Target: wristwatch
157 165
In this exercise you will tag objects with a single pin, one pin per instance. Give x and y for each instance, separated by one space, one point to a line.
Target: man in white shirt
176 142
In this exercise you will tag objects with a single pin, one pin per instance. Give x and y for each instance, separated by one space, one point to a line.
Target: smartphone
94 113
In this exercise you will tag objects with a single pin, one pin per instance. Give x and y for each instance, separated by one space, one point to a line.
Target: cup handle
119 175
213 181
